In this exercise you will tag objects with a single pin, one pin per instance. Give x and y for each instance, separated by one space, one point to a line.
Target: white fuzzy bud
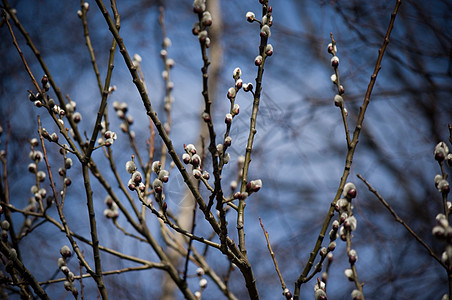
163 175
258 60
335 61
351 222
231 93
237 73
349 190
190 148
265 31
333 78
203 283
250 16
156 165
228 119
136 177
130 167
349 274
236 109
200 271
338 100
137 58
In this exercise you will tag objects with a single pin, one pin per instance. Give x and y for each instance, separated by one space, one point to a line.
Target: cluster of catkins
338 98
39 193
191 157
443 231
66 252
84 9
202 282
157 184
340 228
200 28
43 100
441 154
108 137
265 32
112 210
136 179
344 207
169 85
121 109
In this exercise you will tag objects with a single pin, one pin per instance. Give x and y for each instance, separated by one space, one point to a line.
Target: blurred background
299 150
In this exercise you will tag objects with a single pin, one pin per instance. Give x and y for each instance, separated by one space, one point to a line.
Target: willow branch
89 44
113 272
65 226
350 153
401 221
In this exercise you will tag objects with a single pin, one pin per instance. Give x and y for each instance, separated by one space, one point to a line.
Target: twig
35 83
283 284
341 93
82 287
168 88
89 45
358 284
190 241
252 133
105 249
113 272
23 271
217 192
95 171
103 104
121 185
176 227
115 222
65 226
401 221
97 276
6 198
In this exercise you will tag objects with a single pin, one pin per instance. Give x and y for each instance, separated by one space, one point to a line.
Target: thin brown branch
401 221
350 153
5 195
89 44
23 271
283 284
340 91
115 222
97 276
24 61
113 272
252 133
